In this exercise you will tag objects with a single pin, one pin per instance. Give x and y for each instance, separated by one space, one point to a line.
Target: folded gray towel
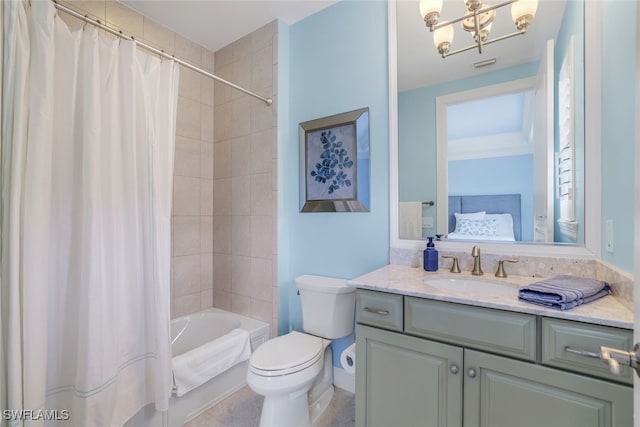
564 292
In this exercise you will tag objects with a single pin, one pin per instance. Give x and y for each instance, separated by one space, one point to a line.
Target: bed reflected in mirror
495 218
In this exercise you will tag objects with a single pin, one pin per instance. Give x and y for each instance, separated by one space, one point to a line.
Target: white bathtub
187 333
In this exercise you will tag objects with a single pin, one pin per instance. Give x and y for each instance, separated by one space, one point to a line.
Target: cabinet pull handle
453 368
613 357
582 353
376 311
471 372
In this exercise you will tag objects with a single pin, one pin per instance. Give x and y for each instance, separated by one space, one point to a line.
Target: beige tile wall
244 180
224 207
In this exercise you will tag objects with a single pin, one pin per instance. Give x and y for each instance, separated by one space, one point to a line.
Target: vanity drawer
379 309
558 334
496 331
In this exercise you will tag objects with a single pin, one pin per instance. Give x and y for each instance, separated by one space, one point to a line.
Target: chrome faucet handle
477 266
455 267
500 271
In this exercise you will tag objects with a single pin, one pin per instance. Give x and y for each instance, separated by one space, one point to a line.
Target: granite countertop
404 280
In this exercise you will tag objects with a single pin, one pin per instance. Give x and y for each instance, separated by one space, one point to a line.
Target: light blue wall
417 130
619 52
333 62
285 198
504 175
336 61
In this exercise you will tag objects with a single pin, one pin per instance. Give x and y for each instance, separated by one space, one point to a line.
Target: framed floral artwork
334 160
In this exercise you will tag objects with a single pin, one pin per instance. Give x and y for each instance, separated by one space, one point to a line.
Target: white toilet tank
328 306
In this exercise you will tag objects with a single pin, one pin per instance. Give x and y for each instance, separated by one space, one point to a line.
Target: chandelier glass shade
443 36
477 22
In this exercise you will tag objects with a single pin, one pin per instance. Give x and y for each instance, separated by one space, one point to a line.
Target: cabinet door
502 392
406 381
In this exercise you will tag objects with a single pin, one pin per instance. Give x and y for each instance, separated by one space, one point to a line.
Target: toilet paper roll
348 359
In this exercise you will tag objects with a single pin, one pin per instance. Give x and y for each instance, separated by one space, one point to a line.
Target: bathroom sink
472 286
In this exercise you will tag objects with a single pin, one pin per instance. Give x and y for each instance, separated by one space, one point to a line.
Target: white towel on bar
411 220
199 365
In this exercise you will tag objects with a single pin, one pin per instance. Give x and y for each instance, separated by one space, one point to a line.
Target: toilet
294 372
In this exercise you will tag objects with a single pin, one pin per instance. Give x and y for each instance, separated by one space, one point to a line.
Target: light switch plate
608 235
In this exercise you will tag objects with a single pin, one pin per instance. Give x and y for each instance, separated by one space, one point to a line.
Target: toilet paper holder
348 359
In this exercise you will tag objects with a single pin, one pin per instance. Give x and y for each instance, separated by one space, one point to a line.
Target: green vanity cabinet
407 381
504 332
457 365
502 392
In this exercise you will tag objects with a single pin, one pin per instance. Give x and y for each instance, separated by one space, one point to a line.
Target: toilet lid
286 354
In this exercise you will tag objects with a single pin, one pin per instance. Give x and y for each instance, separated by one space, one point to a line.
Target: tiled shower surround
224 195
244 179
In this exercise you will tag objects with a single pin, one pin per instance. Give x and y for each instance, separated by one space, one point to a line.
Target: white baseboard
344 380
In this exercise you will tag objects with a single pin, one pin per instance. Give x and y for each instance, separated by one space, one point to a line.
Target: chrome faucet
477 267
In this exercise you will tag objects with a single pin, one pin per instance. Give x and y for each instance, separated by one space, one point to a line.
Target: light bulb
473 5
428 6
442 38
522 12
484 32
430 11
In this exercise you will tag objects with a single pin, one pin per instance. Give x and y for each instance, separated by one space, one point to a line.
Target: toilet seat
286 354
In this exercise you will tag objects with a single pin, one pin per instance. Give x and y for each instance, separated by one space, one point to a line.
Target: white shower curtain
88 127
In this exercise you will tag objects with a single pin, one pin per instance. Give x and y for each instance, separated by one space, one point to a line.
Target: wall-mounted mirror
503 138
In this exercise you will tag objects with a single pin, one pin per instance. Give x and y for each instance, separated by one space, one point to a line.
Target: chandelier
477 22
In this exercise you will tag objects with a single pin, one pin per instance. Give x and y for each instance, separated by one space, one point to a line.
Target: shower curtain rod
162 53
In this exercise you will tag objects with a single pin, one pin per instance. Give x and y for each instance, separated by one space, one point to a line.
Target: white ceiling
420 64
487 116
216 23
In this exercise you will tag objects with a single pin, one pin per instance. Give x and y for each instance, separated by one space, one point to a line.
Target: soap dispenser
430 261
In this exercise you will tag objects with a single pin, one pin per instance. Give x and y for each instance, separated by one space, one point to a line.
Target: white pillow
477 227
472 215
505 224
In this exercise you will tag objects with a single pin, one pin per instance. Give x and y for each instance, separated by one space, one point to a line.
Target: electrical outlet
427 222
608 235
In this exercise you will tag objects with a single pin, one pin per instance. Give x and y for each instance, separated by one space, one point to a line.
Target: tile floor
242 409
